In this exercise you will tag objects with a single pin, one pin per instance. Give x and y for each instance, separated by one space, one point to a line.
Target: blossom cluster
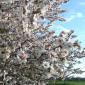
30 53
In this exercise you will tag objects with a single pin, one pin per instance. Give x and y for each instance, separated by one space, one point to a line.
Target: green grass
67 83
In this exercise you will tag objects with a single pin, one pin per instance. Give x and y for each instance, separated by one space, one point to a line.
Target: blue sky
75 20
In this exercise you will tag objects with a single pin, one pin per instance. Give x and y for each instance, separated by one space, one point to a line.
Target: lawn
67 83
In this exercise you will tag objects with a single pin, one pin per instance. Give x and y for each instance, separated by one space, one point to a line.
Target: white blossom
46 64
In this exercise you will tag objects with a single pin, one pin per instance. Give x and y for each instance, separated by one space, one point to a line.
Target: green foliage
73 82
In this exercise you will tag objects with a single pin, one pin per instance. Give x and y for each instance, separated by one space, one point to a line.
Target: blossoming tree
31 54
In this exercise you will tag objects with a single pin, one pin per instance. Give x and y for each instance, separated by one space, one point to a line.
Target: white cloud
60 27
82 3
79 15
70 18
74 16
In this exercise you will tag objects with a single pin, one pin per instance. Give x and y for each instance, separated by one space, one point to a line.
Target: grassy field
67 83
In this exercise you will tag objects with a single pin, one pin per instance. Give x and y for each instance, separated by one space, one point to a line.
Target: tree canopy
30 53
